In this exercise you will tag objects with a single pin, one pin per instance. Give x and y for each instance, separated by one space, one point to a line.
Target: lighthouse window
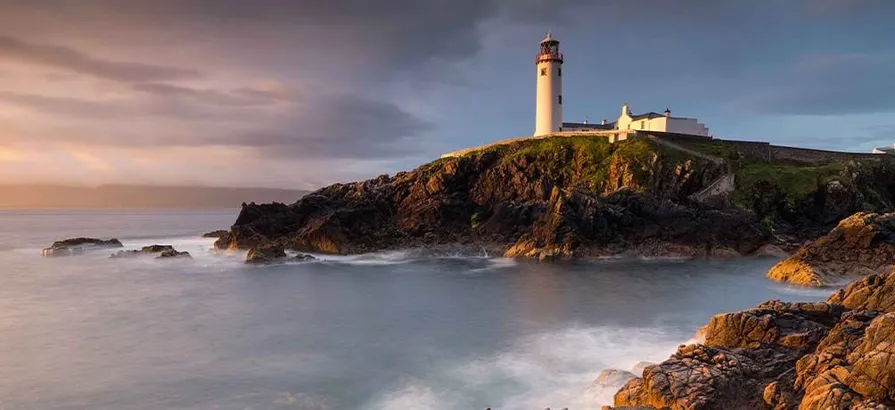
543 71
560 72
560 99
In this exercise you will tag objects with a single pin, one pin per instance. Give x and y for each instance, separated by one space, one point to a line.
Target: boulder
172 253
838 354
861 244
274 254
77 246
221 233
770 251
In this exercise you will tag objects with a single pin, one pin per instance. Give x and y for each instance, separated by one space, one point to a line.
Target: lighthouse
548 111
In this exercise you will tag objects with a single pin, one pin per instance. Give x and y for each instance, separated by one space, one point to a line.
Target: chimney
603 122
667 112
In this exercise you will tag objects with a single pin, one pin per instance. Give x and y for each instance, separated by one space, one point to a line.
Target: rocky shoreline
574 197
859 245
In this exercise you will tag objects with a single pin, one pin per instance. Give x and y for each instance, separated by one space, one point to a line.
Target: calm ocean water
382 331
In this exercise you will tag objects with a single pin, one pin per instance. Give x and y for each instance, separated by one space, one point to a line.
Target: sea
391 330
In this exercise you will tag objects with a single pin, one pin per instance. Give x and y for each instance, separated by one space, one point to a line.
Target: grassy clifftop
799 197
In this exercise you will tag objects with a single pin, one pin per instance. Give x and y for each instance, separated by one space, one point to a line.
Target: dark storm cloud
237 97
333 126
74 60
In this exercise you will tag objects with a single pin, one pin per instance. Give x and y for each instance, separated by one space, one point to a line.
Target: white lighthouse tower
548 114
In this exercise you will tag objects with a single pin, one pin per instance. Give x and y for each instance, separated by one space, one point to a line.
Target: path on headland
669 144
721 186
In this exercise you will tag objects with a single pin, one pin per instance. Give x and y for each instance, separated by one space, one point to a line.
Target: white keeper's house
548 113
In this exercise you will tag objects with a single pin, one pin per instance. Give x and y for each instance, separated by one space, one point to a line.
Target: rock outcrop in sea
838 354
158 251
266 254
220 233
578 196
859 245
76 246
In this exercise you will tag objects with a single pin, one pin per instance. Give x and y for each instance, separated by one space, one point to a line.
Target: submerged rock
838 354
159 251
77 246
860 245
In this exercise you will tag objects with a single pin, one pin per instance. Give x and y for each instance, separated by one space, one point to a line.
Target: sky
304 93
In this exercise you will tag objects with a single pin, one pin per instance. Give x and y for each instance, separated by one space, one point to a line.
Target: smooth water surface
382 331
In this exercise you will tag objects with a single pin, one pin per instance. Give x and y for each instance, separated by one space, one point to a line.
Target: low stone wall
816 156
754 150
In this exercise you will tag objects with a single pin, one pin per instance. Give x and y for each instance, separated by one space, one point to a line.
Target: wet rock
861 244
265 254
172 253
216 234
274 254
159 251
838 354
76 246
771 251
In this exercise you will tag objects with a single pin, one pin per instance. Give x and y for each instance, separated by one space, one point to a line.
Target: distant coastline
47 196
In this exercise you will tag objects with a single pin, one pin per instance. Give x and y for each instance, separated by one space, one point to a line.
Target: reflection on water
392 330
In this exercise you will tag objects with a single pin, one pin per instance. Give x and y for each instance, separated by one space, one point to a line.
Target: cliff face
838 354
574 196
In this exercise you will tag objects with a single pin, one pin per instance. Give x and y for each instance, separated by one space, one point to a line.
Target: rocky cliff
554 197
838 354
859 245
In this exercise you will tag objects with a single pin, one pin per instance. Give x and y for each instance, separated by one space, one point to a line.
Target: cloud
91 161
244 96
74 60
328 125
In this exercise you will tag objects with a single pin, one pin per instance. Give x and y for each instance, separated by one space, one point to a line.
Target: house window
560 99
643 125
543 71
560 71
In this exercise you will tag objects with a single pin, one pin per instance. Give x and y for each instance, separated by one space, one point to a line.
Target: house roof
650 115
888 150
597 126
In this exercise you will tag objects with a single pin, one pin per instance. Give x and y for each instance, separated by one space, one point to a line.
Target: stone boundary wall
766 152
755 150
817 156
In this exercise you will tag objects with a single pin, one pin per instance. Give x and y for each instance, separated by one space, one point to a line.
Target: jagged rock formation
77 246
559 197
159 251
838 354
861 244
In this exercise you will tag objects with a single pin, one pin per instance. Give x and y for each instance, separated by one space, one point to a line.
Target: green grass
796 182
712 147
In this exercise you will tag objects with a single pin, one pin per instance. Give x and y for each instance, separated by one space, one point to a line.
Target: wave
550 369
